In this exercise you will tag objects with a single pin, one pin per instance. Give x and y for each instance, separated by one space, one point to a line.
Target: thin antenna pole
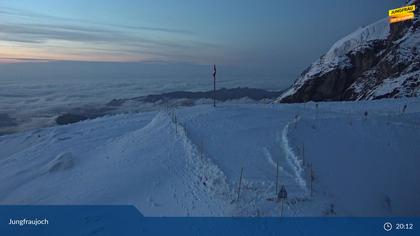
214 85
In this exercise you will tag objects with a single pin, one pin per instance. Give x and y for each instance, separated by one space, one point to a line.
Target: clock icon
387 226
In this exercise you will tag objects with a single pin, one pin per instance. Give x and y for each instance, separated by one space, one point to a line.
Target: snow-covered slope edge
376 61
188 162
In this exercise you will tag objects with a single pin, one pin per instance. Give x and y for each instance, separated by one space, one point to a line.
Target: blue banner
127 220
69 220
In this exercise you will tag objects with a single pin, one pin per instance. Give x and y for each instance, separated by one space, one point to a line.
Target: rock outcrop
381 60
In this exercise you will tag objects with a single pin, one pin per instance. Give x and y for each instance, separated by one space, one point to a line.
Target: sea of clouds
33 94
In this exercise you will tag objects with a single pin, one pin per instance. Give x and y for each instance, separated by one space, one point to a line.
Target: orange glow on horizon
15 54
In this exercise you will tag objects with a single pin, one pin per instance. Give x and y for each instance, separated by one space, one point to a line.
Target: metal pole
281 212
202 149
312 177
240 183
277 178
214 85
214 91
303 153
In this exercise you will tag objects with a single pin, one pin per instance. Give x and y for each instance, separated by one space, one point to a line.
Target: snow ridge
292 158
209 174
273 163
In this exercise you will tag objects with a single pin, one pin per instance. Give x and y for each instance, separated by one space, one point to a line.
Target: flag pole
214 85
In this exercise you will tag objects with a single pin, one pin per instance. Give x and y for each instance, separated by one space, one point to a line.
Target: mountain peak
381 60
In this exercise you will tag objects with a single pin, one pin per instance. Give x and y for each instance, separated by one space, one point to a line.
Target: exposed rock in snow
363 64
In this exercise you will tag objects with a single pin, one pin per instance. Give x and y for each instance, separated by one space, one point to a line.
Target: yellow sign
401 14
407 16
402 11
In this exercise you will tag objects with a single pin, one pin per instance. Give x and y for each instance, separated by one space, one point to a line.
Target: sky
271 36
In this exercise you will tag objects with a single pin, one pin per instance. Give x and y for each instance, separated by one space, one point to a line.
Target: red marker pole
214 85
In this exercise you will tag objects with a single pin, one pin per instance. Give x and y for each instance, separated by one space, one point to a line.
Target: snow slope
364 65
336 57
187 161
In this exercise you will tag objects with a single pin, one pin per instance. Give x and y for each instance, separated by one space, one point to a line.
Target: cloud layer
75 39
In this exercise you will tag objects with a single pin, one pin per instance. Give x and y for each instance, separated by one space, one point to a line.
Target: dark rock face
184 98
221 95
7 124
6 121
80 114
367 69
69 119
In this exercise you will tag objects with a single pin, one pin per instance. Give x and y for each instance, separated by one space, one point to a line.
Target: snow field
188 161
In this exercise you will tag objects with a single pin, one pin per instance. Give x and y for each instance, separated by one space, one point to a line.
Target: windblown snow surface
187 161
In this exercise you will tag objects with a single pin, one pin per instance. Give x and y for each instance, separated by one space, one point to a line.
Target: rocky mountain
381 60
